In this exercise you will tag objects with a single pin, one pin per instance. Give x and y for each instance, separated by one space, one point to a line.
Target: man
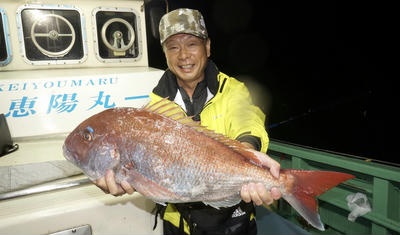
219 102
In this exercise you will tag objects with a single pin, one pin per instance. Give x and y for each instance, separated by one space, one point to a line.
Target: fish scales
186 166
169 159
192 166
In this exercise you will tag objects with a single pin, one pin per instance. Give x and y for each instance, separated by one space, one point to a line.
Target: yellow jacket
231 112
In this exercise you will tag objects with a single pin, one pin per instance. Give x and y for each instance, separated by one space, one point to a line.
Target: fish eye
88 134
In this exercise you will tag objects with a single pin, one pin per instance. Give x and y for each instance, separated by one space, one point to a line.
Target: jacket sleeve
245 120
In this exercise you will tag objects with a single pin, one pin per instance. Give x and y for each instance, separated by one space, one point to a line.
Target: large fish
167 157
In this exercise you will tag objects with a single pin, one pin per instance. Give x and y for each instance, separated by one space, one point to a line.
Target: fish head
92 147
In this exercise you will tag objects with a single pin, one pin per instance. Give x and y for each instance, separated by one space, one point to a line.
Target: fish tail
303 186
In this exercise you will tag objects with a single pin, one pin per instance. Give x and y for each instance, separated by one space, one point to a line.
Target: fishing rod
327 106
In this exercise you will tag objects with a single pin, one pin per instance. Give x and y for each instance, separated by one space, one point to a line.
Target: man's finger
263 194
101 183
113 187
255 197
127 187
267 161
244 194
274 167
275 193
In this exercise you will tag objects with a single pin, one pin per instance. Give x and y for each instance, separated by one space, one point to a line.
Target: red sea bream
167 157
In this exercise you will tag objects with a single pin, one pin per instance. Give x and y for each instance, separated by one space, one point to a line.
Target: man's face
187 57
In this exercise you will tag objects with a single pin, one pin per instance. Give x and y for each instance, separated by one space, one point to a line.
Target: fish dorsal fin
166 108
172 110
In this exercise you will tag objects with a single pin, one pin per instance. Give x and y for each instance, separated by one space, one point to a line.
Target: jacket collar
168 86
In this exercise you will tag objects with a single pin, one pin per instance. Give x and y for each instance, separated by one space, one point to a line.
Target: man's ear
208 47
163 47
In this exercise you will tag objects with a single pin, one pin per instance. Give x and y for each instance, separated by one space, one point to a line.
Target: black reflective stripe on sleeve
251 139
222 86
243 134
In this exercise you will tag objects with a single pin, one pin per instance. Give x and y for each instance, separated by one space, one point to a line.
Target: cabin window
117 34
51 34
5 51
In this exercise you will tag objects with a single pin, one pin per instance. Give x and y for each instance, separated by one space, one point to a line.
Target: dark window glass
3 47
49 34
118 34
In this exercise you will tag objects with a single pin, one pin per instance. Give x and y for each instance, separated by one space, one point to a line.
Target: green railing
379 182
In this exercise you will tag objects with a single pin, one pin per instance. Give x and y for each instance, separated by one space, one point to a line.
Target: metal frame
48 62
96 39
6 38
380 182
47 187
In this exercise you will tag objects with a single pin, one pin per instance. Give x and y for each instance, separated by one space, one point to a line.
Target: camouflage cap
182 20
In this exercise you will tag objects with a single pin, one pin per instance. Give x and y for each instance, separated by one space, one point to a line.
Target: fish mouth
70 156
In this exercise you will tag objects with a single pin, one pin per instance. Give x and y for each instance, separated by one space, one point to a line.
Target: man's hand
257 192
108 185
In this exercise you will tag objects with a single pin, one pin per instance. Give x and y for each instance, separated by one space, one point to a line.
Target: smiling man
219 102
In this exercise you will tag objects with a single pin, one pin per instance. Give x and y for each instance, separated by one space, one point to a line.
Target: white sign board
56 103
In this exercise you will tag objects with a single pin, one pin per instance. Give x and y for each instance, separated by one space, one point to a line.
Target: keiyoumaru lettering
13 86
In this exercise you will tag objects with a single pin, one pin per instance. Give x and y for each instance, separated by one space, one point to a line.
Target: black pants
235 226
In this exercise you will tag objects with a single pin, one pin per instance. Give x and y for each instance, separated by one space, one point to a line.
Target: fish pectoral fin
224 202
151 189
